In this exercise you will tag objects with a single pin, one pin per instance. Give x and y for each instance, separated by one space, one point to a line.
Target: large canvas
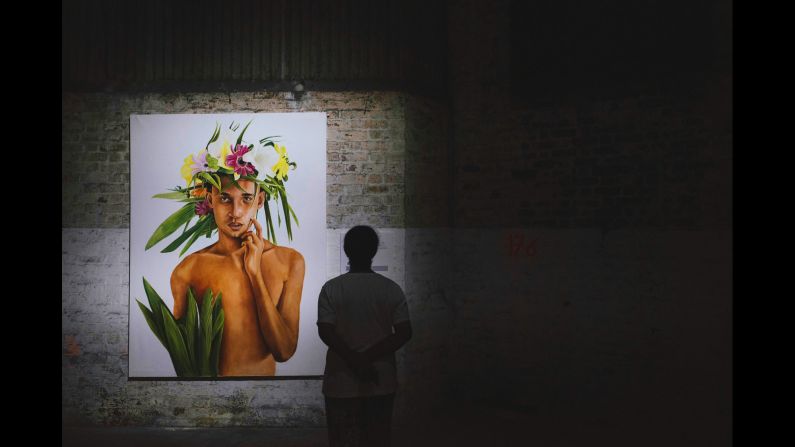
227 244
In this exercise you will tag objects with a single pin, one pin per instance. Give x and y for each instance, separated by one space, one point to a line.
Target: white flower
221 147
262 157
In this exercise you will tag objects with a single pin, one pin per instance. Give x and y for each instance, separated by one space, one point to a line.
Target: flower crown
264 163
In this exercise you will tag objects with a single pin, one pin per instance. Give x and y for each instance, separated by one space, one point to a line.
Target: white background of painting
158 147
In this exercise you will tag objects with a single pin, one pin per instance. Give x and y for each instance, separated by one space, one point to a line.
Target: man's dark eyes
229 199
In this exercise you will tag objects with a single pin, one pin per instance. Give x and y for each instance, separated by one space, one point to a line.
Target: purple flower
235 160
200 163
203 208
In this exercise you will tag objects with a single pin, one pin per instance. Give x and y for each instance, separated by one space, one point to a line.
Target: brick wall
365 147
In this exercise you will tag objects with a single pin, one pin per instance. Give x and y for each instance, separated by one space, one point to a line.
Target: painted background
158 144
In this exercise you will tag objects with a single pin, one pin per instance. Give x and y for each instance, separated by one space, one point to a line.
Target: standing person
357 312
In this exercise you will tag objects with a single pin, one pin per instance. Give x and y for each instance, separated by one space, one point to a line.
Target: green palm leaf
286 208
170 195
191 321
156 304
150 320
199 231
210 179
240 137
270 234
177 348
295 218
186 234
192 342
217 305
215 135
205 314
171 224
218 323
215 353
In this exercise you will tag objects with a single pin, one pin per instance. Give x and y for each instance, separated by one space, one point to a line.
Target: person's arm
328 334
179 288
278 324
391 343
357 361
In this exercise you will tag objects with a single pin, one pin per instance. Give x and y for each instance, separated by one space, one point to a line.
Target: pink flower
203 208
235 160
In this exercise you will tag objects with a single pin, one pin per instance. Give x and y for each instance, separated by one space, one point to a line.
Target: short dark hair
361 243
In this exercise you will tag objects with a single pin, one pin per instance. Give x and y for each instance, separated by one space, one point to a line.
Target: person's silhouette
357 312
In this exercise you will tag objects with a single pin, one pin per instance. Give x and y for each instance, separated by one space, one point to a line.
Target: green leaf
150 320
278 214
240 137
217 305
190 242
215 353
178 241
206 315
209 179
170 195
206 178
218 323
292 213
285 206
184 334
270 234
177 347
276 184
212 226
191 323
171 224
199 231
156 304
215 135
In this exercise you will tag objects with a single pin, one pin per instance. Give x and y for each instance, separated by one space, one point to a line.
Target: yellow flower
225 150
281 167
186 171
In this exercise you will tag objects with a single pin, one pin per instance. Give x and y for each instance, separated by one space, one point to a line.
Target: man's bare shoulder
189 263
286 256
186 264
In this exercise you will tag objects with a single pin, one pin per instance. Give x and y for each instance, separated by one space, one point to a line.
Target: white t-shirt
363 307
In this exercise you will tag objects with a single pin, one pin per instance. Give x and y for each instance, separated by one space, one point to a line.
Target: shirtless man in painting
260 282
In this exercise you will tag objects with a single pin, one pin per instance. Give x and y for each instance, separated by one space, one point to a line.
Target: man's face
233 209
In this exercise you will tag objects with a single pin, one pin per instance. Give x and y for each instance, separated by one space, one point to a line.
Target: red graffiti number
518 245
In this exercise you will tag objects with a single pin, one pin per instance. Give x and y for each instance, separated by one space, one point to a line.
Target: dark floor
482 428
492 430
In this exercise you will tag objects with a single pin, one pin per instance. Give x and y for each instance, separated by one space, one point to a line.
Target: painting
227 244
